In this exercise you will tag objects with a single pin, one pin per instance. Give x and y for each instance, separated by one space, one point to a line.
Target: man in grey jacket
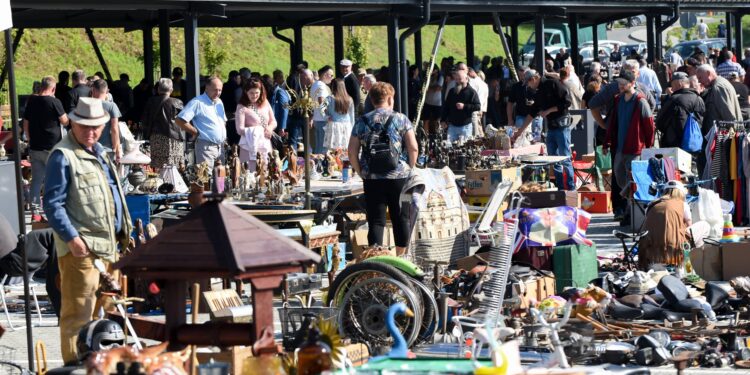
721 103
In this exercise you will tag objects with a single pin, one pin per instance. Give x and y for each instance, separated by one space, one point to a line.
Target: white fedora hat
89 112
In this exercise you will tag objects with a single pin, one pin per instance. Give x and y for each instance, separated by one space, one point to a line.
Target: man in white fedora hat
86 208
351 82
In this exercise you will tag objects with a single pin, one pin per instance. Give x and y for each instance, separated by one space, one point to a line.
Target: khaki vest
89 205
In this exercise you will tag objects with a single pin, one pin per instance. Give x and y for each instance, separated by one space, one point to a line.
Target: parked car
640 48
587 53
603 43
686 49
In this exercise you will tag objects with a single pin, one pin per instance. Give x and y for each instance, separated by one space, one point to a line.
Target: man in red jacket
630 128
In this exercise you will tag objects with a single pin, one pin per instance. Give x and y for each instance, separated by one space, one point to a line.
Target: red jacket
641 131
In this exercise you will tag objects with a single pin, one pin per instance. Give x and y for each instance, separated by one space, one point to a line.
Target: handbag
277 143
692 138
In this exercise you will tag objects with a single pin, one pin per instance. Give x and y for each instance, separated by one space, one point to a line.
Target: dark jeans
295 127
380 194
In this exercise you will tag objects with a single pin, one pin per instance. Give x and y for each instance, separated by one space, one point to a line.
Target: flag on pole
6 19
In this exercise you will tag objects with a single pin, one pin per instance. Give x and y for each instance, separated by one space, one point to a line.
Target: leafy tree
356 46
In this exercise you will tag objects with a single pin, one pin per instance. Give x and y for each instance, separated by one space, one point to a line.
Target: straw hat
89 112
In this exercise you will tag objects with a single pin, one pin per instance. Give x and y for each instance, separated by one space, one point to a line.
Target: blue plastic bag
692 138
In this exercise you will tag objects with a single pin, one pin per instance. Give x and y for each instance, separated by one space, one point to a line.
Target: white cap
345 62
674 184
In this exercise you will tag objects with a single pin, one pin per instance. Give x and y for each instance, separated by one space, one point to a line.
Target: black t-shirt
742 93
519 95
43 114
587 96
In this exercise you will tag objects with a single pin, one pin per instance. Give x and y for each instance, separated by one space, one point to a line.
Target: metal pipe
19 193
506 47
338 45
148 55
418 49
16 40
165 45
539 43
728 17
650 36
404 94
299 53
393 61
738 33
663 26
192 63
428 73
469 39
275 32
575 52
98 52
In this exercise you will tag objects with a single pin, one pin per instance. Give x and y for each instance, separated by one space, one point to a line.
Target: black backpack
380 156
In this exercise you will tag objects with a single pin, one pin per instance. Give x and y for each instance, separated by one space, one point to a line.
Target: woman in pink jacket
254 121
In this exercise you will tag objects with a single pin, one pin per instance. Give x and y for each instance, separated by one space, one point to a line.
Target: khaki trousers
79 280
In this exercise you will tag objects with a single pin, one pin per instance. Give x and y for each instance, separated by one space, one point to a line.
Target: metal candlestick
306 104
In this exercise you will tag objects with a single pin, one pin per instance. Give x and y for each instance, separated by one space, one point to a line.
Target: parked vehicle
687 48
639 48
602 43
557 36
587 54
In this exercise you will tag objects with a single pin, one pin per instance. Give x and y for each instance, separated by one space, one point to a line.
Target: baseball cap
679 76
625 77
345 62
674 184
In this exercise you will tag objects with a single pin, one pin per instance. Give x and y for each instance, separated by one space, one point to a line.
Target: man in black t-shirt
518 100
80 90
42 123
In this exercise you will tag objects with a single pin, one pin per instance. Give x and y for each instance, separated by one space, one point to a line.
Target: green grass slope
47 51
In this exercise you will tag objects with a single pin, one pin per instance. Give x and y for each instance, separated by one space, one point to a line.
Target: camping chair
640 194
588 173
604 166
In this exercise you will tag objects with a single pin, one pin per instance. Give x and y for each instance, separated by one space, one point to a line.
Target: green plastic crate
574 265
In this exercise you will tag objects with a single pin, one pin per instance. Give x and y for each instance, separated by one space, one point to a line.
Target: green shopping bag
603 161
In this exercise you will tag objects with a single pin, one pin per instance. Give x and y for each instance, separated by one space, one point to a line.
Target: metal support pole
514 45
338 45
728 20
98 52
469 34
539 43
393 75
148 55
650 38
595 40
418 49
575 52
16 40
275 32
308 152
192 64
738 34
165 46
19 194
402 67
658 40
299 54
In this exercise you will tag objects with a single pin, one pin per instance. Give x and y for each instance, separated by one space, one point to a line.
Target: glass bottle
314 356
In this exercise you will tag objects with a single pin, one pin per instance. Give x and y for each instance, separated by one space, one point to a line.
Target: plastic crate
574 266
292 318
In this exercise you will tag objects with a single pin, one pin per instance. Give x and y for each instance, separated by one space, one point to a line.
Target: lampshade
170 174
135 156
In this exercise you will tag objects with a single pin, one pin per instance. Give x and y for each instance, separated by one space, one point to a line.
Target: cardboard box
483 182
589 158
36 225
471 261
683 160
360 243
476 204
547 199
598 202
735 259
537 289
707 262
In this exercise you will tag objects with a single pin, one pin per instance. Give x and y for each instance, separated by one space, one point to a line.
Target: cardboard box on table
707 262
537 289
360 243
735 258
483 182
682 160
596 202
546 199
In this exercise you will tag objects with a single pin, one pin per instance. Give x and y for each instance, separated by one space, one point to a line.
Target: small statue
331 161
292 167
274 172
261 172
248 177
235 167
220 175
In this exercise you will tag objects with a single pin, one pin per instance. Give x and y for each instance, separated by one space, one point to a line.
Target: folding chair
640 197
588 173
604 165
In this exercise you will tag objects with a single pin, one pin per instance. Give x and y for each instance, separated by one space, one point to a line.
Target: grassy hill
47 51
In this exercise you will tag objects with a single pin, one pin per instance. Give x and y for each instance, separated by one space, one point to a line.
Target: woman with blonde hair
254 121
340 111
670 229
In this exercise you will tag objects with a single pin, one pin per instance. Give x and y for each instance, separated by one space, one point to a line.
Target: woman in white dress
340 112
254 121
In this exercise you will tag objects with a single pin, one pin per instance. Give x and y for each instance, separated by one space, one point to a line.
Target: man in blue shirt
280 101
204 117
85 206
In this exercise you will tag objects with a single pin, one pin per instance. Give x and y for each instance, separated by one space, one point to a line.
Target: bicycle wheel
429 313
363 312
8 368
361 271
